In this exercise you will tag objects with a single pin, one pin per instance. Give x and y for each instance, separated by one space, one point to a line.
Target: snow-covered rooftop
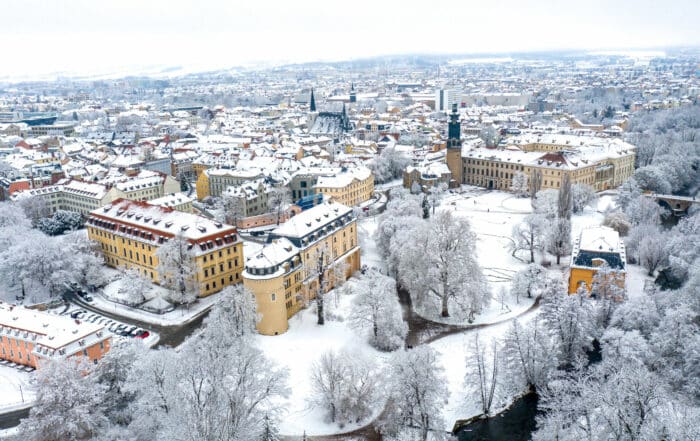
50 331
603 239
312 219
161 219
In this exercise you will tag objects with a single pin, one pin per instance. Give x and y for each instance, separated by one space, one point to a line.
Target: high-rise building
445 99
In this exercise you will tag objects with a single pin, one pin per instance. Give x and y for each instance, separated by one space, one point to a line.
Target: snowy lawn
11 380
492 215
298 349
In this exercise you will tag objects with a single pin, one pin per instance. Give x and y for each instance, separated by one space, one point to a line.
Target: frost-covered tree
571 320
608 287
112 373
527 235
177 269
565 200
643 211
653 252
520 184
435 194
653 178
635 237
60 222
69 404
204 391
278 200
530 280
618 222
403 212
35 208
558 238
269 430
682 247
529 355
234 315
376 308
482 375
546 205
629 191
233 208
389 165
87 263
345 385
581 195
133 286
535 181
439 267
416 393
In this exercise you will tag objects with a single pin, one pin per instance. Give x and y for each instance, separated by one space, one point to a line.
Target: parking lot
120 330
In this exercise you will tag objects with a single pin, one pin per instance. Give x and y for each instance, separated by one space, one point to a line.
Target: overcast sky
41 36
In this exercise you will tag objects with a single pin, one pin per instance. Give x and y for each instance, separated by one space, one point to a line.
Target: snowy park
492 216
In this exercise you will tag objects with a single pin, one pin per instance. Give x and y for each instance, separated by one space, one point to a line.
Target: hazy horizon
82 37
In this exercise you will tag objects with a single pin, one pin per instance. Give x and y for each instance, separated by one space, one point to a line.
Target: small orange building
28 336
596 247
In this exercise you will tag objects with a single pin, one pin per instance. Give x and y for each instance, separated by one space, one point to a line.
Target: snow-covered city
288 242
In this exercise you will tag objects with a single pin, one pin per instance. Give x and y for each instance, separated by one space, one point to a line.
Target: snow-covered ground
179 316
16 390
296 351
492 215
454 351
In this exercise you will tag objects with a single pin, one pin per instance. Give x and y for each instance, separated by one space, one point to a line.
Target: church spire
312 101
353 96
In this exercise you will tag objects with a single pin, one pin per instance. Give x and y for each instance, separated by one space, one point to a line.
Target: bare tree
535 182
481 375
559 238
233 207
565 202
177 269
278 200
652 252
527 235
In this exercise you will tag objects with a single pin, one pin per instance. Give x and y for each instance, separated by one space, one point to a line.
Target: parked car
87 298
76 314
142 334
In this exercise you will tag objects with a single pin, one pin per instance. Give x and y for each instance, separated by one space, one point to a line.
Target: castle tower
454 149
353 96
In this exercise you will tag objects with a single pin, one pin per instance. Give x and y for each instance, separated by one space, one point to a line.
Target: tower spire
312 101
353 96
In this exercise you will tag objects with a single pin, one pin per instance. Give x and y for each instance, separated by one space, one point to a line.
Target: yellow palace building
281 275
130 233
